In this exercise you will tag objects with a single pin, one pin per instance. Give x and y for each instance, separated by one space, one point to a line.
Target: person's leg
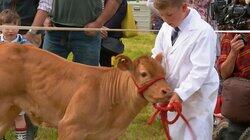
233 131
86 49
105 57
20 127
56 42
7 116
31 129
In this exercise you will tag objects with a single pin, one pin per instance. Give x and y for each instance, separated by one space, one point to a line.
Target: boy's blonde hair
9 16
162 4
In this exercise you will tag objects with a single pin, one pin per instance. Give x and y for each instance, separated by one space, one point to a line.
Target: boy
10 17
188 44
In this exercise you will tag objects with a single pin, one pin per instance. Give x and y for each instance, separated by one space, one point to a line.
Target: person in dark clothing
234 63
111 44
84 45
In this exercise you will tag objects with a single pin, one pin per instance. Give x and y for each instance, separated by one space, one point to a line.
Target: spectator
234 55
10 17
85 46
188 44
234 61
111 44
43 10
28 10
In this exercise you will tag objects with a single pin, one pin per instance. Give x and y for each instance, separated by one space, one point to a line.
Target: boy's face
10 33
174 15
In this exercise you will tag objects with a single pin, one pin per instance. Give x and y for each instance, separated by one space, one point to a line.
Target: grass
138 129
139 45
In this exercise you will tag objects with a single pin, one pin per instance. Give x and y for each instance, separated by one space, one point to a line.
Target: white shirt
190 71
19 39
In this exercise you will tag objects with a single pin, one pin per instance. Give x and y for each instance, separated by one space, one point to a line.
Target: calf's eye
143 74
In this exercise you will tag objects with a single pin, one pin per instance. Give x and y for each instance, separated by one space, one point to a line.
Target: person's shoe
20 133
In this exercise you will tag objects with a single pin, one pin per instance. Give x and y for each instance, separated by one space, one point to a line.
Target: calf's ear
123 62
159 57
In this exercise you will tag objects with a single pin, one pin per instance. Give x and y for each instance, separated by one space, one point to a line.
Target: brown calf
83 102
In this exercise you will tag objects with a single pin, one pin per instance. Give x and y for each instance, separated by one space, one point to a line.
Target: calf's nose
166 91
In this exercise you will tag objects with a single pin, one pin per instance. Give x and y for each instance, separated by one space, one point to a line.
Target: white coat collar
190 22
187 24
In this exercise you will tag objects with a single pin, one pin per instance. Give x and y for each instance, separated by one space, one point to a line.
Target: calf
83 102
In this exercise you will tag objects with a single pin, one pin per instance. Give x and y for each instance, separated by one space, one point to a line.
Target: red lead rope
163 109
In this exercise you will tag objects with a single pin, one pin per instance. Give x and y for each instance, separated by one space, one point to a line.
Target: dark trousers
31 129
234 131
105 57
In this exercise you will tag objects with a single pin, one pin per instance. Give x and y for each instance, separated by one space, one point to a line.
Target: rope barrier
73 29
100 29
232 31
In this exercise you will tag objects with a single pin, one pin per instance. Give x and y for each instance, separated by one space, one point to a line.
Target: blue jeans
85 49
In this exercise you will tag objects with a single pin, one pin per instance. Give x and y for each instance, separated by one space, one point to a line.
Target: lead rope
163 109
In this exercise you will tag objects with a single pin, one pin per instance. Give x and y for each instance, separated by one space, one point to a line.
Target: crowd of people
186 39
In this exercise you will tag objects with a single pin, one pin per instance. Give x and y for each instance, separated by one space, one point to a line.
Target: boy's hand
175 98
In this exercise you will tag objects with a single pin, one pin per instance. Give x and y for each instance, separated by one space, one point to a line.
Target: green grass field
138 129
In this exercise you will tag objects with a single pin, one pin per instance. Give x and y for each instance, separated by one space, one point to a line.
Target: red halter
145 86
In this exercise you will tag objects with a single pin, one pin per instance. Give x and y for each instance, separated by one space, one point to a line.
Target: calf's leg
71 132
8 112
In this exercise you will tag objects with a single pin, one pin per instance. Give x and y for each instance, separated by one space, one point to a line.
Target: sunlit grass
139 45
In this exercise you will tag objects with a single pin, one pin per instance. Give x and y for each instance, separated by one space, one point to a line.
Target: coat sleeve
202 58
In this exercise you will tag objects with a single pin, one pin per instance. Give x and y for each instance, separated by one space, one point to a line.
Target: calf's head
148 75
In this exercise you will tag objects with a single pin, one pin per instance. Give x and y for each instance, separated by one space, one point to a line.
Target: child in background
10 34
10 17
